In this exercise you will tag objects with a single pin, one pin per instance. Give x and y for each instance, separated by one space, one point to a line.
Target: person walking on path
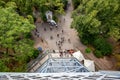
62 31
50 28
69 40
64 19
57 35
51 37
44 29
62 39
61 53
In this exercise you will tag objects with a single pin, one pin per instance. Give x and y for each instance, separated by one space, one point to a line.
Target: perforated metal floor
59 76
62 65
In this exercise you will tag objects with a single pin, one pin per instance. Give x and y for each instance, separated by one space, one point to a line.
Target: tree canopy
97 18
16 24
24 7
15 46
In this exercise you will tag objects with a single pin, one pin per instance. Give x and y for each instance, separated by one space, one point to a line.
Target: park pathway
64 24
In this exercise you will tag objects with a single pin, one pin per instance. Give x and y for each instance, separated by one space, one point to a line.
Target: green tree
103 46
97 18
3 67
13 30
16 24
13 27
65 3
25 6
76 3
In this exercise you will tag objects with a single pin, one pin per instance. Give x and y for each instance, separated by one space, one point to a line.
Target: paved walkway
64 24
68 33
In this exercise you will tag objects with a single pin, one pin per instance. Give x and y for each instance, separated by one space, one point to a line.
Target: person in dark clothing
62 31
44 29
51 37
69 40
57 35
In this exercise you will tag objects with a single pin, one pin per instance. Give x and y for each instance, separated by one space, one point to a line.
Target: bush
87 50
98 54
43 16
76 3
3 67
55 18
103 46
84 41
65 2
35 54
87 38
28 35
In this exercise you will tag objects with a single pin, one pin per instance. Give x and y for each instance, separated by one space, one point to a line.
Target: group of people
61 40
36 32
59 36
66 53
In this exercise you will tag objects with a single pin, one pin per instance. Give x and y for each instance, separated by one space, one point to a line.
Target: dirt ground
50 40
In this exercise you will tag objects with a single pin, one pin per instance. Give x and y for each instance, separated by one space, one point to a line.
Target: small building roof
89 64
78 55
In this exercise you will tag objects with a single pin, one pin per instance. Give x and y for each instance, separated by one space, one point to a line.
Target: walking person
65 53
61 43
42 40
64 19
51 37
62 39
61 53
57 35
69 40
44 29
38 35
62 31
56 43
50 28
59 47
53 51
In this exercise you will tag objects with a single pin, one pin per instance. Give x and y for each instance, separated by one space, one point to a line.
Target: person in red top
71 51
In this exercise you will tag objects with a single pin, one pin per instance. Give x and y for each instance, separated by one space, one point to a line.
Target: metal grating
67 65
58 76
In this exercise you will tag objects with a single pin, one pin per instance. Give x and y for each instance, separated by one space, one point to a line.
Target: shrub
35 54
28 35
84 41
65 2
55 18
3 67
87 38
43 16
98 54
87 50
76 3
103 46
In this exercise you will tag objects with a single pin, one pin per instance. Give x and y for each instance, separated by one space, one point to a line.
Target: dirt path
68 33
